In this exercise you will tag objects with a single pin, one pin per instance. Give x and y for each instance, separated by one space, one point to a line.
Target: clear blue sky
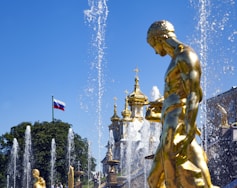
46 49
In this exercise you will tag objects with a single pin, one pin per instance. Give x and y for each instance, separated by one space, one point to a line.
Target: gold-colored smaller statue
224 118
40 182
71 177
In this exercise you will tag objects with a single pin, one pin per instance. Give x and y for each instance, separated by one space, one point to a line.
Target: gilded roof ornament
115 117
126 113
137 97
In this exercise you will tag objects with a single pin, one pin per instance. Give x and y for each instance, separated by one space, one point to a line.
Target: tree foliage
41 138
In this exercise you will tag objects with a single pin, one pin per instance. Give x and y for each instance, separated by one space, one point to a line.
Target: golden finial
126 99
115 105
126 113
115 117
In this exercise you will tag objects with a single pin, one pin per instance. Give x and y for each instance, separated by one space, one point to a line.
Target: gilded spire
137 97
115 117
126 112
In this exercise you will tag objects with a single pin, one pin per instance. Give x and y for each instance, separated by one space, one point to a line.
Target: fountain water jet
52 162
13 164
128 156
70 148
89 163
8 181
27 158
213 20
97 15
111 141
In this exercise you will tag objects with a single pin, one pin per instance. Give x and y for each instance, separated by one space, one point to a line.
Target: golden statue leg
179 172
157 176
190 176
198 156
163 173
169 155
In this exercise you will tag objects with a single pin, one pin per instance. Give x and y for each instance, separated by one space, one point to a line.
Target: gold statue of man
71 177
179 161
40 182
224 117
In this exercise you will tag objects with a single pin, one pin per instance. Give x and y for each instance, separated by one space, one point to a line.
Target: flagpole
52 111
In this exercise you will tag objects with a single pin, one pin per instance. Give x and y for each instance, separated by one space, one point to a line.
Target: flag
58 104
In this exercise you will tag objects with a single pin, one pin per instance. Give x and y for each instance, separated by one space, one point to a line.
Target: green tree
3 161
41 137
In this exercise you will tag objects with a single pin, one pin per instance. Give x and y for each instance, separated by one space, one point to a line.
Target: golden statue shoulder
186 55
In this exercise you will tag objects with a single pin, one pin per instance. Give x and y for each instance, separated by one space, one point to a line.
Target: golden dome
137 97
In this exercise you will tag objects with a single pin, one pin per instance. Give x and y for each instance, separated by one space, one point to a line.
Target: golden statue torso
179 73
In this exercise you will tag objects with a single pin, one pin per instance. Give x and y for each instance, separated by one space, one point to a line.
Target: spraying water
97 16
13 164
27 158
89 162
52 162
70 147
203 58
8 181
128 156
111 141
215 28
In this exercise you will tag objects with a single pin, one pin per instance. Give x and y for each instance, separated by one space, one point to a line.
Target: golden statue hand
153 115
182 142
153 112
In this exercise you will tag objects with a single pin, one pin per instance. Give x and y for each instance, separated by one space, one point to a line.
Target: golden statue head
35 172
160 29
